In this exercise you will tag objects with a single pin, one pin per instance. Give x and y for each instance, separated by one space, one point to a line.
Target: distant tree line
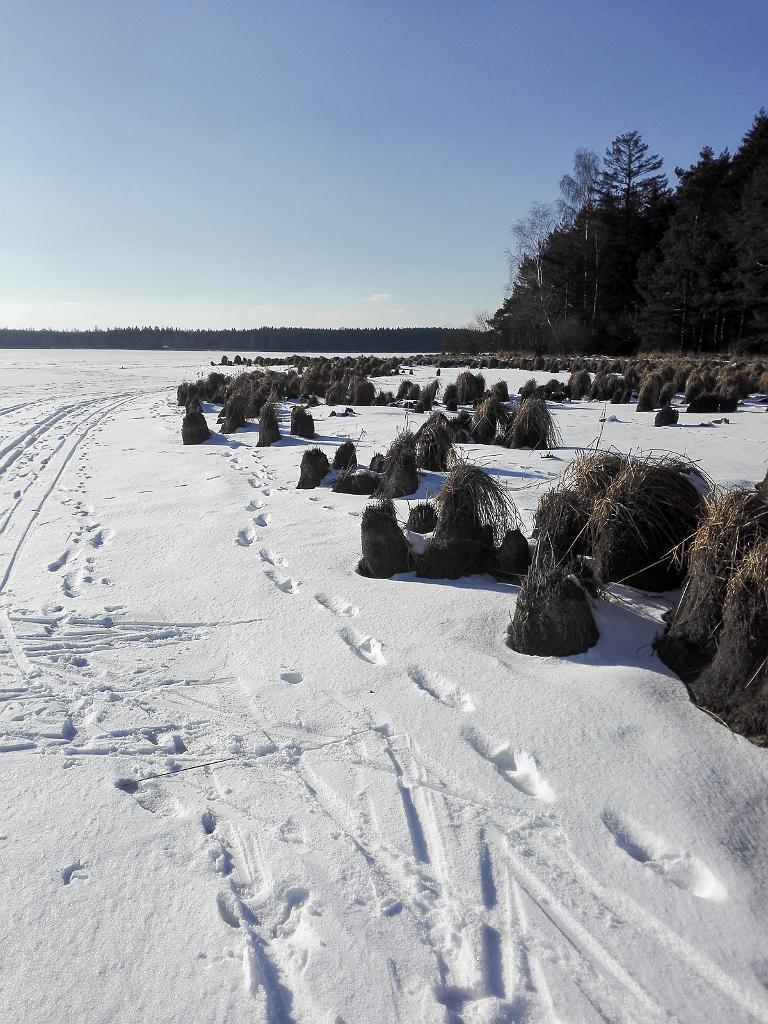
260 339
622 261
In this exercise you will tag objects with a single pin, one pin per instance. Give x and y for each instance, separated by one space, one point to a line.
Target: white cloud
380 297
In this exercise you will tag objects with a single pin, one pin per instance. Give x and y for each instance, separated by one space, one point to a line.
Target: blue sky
327 163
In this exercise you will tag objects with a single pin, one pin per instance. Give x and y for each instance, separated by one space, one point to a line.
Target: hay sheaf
345 456
434 444
422 517
470 388
314 466
733 524
735 684
385 549
194 429
269 429
469 500
553 616
400 476
532 426
642 526
489 416
474 515
302 423
560 525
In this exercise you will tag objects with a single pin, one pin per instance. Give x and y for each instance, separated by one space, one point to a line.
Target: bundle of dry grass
735 684
642 525
424 404
451 397
579 384
470 387
666 417
733 524
474 514
762 487
532 426
560 525
400 475
302 424
512 557
355 481
314 466
362 391
337 394
471 499
194 429
234 412
489 416
422 517
434 444
591 473
345 456
704 402
255 397
385 549
648 397
553 616
402 391
269 428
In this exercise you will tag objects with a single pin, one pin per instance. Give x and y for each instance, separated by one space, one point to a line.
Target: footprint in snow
292 677
366 647
337 606
441 689
254 506
71 584
287 584
677 867
272 558
59 562
263 520
101 538
518 767
74 871
245 537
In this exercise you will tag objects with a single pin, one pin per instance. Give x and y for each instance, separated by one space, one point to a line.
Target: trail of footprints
367 648
77 568
483 958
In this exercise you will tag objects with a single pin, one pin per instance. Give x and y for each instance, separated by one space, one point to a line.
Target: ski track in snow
469 874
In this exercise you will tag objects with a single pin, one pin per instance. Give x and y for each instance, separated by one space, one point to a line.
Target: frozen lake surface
389 816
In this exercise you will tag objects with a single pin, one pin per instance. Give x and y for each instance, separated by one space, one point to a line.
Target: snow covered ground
406 821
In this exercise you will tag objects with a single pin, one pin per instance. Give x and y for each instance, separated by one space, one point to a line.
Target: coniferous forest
622 261
256 339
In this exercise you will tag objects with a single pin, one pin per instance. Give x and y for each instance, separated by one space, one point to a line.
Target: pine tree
628 180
